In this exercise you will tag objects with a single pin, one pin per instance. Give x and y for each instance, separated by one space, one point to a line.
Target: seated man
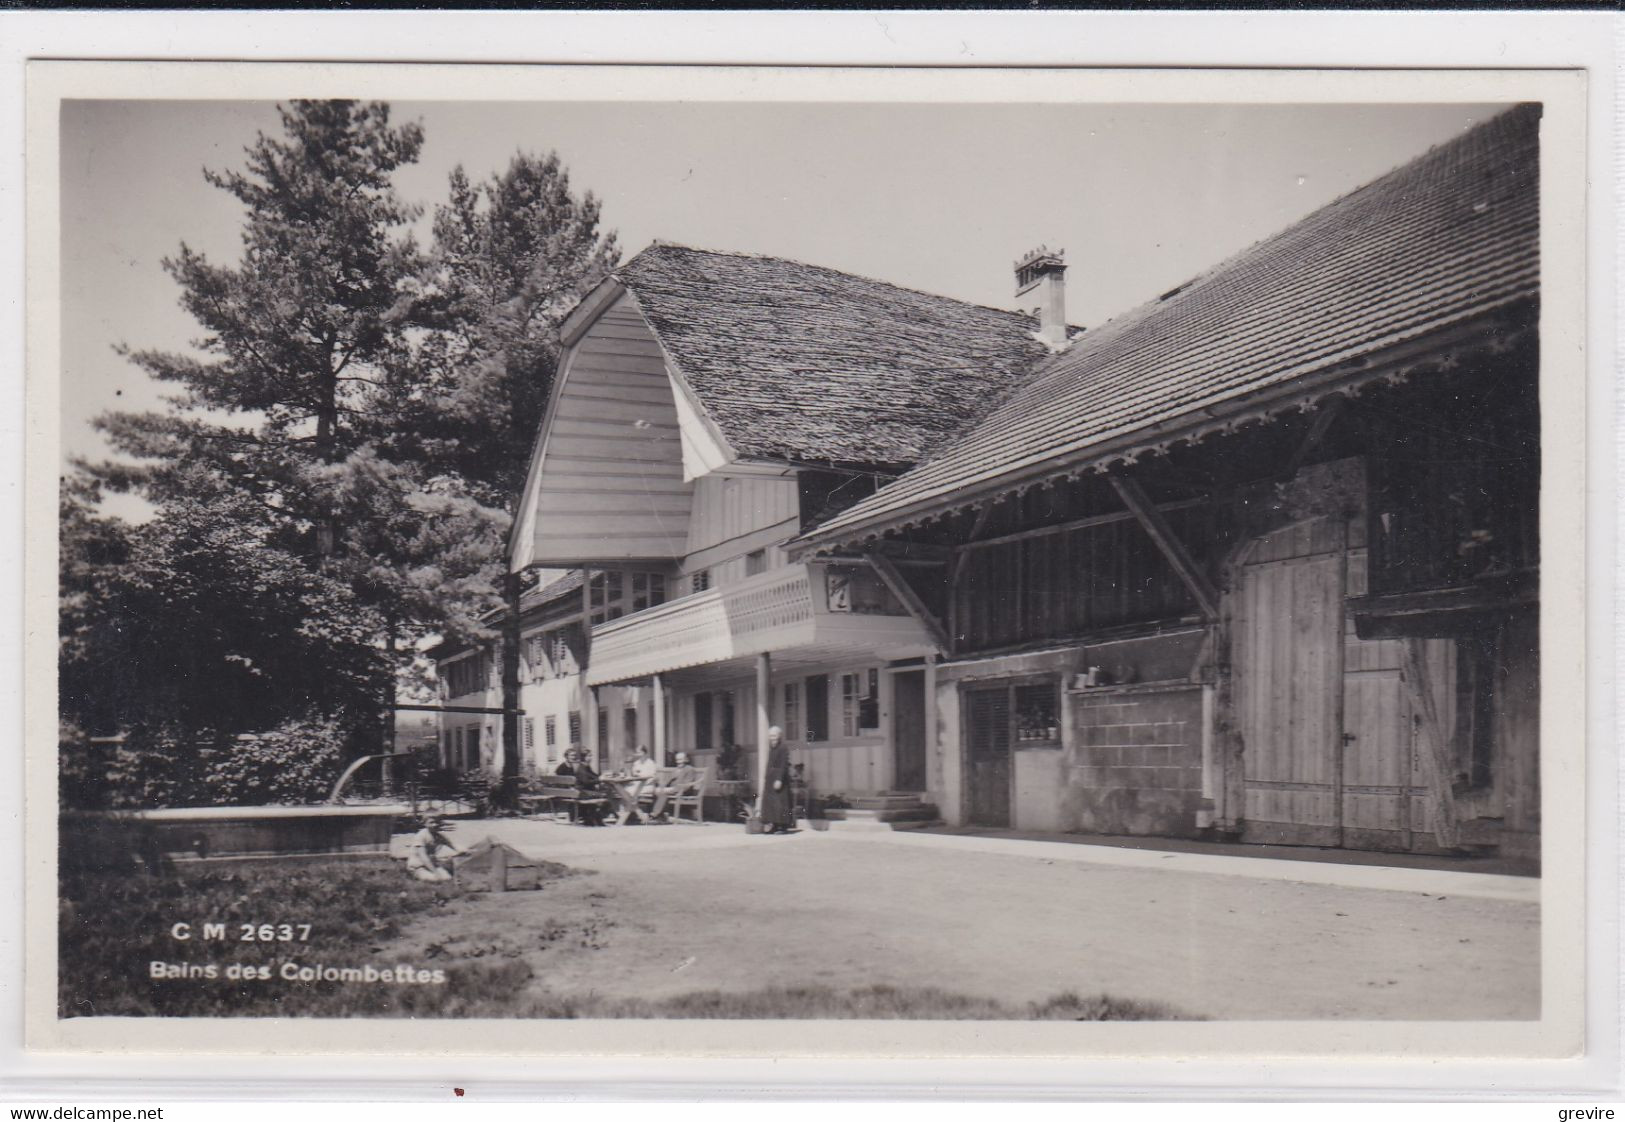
679 782
589 813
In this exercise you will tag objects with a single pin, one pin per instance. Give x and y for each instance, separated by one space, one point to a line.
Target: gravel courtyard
672 910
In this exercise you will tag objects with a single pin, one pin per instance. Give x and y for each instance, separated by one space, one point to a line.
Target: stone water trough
260 831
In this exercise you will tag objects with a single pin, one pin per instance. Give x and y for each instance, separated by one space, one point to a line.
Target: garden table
625 789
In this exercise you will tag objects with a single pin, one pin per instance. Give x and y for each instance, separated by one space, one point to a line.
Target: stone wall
1134 765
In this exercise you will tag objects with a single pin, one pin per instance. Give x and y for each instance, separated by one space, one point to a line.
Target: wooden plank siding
734 508
611 488
1073 583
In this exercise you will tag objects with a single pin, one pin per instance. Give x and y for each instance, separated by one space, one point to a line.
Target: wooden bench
561 794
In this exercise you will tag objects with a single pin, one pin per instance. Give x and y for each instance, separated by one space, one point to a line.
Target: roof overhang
1498 329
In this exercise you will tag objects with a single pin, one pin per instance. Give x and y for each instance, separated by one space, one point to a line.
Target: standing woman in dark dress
774 805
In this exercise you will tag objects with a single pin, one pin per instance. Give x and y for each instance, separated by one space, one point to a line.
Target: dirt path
819 909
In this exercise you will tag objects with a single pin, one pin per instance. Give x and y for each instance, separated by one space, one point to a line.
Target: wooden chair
694 797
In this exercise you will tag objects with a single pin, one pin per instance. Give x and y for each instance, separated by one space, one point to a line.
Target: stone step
876 824
887 801
918 812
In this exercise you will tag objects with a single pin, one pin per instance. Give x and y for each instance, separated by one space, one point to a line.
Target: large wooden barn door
1387 795
1330 752
1289 678
987 755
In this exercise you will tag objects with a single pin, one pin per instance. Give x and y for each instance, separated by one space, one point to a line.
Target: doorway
908 730
987 756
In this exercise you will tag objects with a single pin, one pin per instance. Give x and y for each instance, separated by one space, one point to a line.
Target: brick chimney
1043 274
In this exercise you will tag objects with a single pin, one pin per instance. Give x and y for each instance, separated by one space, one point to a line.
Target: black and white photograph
844 559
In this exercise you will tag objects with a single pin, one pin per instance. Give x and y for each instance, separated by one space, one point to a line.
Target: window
817 708
550 731
869 703
702 721
850 693
648 589
467 675
605 595
575 728
858 589
536 656
700 581
603 728
755 562
1038 712
530 734
726 737
629 726
792 710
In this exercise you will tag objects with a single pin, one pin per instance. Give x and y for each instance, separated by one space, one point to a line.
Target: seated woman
589 813
423 859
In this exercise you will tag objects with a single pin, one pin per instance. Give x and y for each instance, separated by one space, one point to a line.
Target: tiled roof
1449 236
803 363
549 593
553 590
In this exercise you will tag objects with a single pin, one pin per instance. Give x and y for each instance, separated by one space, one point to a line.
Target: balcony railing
778 610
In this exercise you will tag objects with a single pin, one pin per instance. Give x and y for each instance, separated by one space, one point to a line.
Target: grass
114 925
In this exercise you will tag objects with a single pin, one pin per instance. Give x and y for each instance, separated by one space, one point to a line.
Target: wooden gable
607 486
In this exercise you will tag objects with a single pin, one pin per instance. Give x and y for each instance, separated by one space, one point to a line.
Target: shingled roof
800 363
1446 238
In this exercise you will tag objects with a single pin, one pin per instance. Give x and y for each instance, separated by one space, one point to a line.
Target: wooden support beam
440 709
901 589
1074 524
1151 519
1324 417
658 717
1446 821
764 723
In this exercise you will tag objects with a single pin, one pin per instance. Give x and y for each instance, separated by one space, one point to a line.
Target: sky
936 197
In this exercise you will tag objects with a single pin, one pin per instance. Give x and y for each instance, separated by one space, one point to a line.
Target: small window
702 722
530 734
792 710
629 727
575 727
700 581
869 703
536 653
850 697
725 736
550 730
817 708
603 728
1038 713
755 562
648 590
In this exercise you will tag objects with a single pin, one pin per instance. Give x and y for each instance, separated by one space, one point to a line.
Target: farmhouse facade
1256 560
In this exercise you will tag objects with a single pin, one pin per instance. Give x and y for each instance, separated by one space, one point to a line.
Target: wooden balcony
784 612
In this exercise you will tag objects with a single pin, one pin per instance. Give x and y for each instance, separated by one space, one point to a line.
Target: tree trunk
326 423
388 770
511 741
